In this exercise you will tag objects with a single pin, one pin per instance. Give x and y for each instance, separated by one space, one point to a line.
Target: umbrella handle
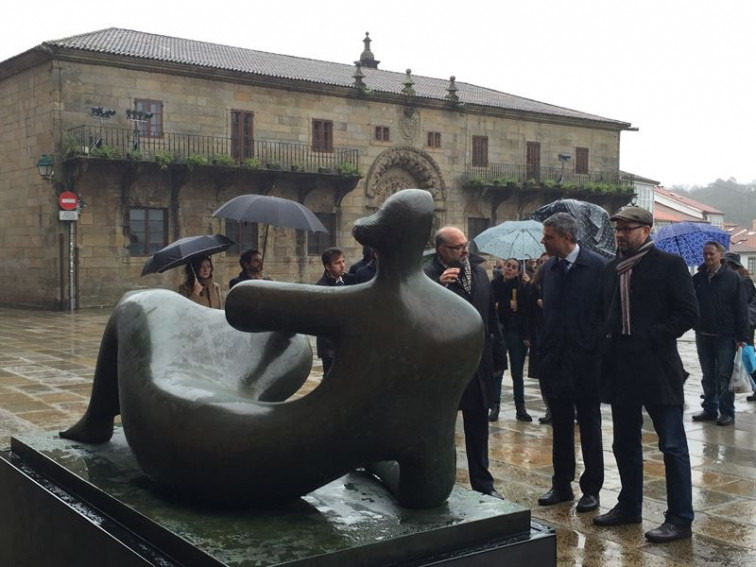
265 242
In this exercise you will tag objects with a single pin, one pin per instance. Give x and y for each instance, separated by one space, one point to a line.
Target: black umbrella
183 250
269 210
595 230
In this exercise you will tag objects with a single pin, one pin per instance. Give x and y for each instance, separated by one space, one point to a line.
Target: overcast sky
682 71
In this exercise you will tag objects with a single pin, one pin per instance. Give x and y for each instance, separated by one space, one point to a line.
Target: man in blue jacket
721 329
568 361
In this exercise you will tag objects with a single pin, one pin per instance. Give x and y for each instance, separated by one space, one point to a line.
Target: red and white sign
68 200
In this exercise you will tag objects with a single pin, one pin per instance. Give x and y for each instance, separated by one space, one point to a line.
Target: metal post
71 267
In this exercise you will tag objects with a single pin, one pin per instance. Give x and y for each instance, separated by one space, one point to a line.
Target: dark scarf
625 271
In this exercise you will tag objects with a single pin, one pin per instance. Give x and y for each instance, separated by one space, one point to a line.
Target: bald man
462 274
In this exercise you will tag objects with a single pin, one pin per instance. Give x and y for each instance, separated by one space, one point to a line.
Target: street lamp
46 167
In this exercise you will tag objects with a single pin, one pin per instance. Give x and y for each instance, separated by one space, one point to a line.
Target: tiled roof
741 239
128 43
662 213
704 208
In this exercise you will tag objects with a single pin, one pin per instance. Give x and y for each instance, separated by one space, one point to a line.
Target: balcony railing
502 175
119 143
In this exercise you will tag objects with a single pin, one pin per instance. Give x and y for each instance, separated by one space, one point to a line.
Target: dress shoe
668 532
555 496
725 420
545 420
617 517
494 494
705 416
587 503
493 415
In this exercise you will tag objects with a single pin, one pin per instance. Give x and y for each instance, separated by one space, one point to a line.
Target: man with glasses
647 302
452 267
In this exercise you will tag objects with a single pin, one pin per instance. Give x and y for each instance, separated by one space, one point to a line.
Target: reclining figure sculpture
217 429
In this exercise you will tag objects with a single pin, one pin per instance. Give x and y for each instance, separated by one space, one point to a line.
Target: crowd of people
592 332
603 332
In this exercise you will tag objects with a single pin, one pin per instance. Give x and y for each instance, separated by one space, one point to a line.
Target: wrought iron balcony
194 149
556 178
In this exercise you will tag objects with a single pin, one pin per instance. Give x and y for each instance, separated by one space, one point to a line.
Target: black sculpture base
64 503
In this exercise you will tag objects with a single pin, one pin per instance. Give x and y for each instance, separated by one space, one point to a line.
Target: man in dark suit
568 365
464 275
648 302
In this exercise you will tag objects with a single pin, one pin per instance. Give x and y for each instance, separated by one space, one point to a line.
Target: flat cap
634 214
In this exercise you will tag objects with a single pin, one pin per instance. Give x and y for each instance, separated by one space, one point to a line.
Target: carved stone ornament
404 167
409 123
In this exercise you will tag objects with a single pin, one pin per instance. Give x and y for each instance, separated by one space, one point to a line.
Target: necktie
564 265
339 282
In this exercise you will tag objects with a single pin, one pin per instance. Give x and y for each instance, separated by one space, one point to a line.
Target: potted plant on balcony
196 160
164 158
224 160
104 152
134 155
346 168
251 163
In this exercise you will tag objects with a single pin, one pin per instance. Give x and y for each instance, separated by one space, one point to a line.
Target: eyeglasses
458 247
626 229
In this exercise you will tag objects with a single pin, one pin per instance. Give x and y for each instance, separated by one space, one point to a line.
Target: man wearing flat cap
648 301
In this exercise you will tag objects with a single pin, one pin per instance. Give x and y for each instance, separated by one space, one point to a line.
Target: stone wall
36 109
29 228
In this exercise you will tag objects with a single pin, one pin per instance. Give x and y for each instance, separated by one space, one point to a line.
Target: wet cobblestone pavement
47 361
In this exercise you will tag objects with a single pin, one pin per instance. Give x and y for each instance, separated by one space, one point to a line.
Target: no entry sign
68 200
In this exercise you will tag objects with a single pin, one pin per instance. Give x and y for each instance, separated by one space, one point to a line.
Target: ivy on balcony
557 179
196 151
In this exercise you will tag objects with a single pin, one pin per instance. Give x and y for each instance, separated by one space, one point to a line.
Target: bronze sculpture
406 349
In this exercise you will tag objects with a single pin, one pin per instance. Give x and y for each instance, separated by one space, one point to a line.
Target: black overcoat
645 367
479 393
567 345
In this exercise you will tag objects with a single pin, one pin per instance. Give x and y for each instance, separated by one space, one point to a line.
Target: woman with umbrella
199 285
193 252
509 295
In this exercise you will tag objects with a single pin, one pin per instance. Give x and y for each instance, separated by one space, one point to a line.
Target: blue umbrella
687 239
512 239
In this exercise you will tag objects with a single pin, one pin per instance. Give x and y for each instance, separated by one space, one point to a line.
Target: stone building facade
197 124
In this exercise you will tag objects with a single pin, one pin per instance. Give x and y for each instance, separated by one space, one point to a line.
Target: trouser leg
668 423
563 442
705 346
725 357
589 419
476 444
627 422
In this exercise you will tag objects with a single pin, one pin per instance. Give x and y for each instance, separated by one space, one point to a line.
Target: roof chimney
367 58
